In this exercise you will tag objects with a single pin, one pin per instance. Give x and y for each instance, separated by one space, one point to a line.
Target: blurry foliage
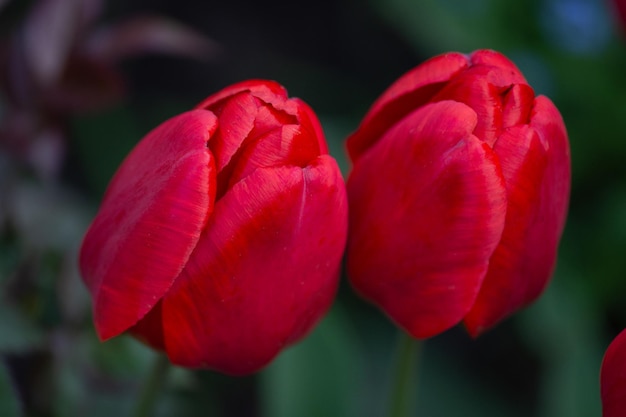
329 363
73 102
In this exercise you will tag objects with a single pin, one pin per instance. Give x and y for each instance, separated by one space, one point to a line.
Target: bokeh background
84 80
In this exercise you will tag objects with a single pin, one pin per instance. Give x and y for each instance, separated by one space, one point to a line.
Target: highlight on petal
424 226
613 378
546 119
263 272
150 221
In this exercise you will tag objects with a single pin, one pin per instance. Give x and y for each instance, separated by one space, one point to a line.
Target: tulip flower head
220 237
458 194
613 378
619 9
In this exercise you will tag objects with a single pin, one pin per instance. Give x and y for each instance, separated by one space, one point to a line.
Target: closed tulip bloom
619 7
458 194
613 378
220 237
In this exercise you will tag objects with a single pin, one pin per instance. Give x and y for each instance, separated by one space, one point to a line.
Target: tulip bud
619 9
613 378
458 194
220 237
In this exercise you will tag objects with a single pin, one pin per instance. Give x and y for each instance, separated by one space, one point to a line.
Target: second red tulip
458 195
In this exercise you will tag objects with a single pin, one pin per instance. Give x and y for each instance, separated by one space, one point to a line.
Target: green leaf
562 326
17 333
102 141
320 376
436 26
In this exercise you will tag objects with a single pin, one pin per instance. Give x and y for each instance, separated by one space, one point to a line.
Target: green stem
152 387
404 380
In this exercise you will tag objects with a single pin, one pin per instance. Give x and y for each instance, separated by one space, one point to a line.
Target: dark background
338 56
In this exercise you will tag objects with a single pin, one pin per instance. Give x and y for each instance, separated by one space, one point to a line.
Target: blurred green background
63 139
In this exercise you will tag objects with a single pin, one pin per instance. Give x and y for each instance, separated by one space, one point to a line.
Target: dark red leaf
149 34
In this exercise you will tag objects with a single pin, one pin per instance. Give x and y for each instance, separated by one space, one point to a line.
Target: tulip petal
472 88
310 125
555 190
253 114
523 159
413 89
538 192
236 121
518 103
491 58
150 221
286 145
263 272
150 328
613 378
268 91
427 210
484 89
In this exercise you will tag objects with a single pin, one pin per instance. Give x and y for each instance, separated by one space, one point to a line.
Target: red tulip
619 7
613 378
220 237
458 194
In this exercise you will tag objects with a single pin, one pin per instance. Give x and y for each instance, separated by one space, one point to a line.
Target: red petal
483 88
282 146
150 328
310 125
253 133
270 118
236 121
150 221
473 88
263 273
427 209
613 378
547 121
619 9
523 265
277 139
517 105
488 57
268 91
410 91
523 159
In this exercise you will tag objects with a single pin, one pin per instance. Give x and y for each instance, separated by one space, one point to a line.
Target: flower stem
152 387
404 378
